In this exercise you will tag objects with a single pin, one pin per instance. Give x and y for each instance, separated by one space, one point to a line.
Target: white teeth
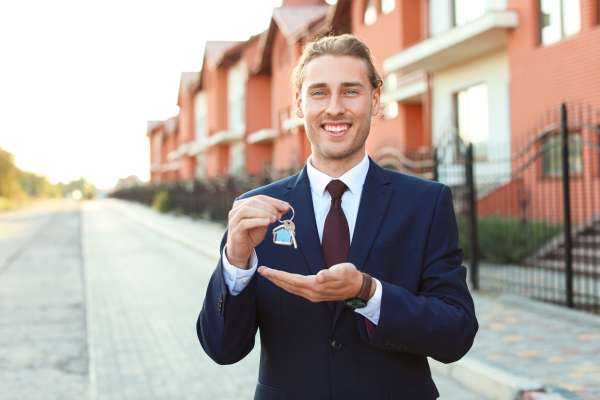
336 128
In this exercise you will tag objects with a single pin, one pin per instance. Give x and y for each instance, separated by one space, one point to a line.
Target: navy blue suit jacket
406 236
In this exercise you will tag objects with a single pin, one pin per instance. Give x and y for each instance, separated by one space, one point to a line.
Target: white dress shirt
355 179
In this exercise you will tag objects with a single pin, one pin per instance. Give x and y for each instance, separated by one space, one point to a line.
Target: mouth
338 129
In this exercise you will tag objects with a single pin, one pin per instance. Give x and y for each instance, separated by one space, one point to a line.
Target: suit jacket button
336 344
399 346
404 347
386 342
392 343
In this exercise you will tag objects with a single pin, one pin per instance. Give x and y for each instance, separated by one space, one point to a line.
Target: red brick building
485 69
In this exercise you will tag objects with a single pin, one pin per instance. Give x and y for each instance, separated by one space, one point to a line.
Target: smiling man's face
337 103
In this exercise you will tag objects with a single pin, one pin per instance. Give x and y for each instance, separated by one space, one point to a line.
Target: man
356 225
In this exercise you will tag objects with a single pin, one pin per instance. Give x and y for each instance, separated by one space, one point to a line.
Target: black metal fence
203 198
528 214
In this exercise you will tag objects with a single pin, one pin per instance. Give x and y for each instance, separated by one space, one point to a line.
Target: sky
80 79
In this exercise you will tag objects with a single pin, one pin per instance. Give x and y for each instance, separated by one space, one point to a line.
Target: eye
352 91
319 93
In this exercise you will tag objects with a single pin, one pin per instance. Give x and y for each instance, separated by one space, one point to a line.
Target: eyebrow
355 83
320 85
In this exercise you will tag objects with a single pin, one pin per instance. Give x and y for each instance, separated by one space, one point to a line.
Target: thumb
322 276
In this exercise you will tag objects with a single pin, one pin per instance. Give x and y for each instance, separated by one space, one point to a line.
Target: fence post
564 135
473 244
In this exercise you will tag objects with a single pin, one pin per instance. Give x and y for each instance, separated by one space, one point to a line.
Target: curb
551 310
491 382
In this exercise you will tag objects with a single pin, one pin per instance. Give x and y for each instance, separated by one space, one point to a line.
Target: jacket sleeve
440 321
227 324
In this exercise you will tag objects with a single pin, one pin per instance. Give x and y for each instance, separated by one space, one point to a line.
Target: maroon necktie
336 235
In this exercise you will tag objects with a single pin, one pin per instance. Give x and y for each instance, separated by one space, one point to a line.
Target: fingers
274 206
322 276
247 212
305 286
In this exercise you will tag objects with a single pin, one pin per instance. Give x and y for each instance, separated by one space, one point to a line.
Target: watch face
356 303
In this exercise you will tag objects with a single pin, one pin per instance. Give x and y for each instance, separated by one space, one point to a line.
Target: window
156 145
200 117
387 6
445 14
236 92
370 13
390 110
466 11
200 165
472 118
552 155
558 19
237 158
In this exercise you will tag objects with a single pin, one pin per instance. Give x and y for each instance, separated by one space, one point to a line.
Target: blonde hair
344 45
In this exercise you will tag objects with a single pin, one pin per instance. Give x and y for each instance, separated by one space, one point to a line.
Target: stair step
586 268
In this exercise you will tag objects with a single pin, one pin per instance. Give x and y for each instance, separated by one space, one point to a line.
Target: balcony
224 137
406 89
291 123
262 136
457 44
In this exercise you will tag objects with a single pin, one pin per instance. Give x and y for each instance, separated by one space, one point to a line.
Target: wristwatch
360 301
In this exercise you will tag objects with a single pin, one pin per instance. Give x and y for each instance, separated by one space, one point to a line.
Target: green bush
506 240
161 201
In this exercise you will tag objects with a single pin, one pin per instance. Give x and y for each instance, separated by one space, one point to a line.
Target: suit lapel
299 197
374 202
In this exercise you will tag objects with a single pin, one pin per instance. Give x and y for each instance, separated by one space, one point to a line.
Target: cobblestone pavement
43 352
547 349
146 291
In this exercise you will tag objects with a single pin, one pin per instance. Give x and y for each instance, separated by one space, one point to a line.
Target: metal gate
529 222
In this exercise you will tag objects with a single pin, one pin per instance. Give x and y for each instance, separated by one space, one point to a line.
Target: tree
9 175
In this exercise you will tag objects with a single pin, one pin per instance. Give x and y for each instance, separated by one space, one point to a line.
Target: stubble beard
357 142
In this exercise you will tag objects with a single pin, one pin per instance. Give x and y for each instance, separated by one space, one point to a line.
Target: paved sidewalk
144 293
43 348
545 348
204 237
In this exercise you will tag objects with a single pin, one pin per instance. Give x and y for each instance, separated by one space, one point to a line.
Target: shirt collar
354 179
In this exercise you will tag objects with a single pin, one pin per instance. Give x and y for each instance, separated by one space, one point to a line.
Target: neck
334 167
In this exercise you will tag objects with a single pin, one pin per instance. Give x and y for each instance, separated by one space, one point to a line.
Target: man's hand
340 282
248 222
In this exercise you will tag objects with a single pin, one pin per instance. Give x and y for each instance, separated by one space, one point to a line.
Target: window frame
542 22
556 172
456 119
387 11
370 4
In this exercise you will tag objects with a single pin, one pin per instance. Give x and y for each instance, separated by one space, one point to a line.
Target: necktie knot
336 188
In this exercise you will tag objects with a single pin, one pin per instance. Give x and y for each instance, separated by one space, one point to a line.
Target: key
290 227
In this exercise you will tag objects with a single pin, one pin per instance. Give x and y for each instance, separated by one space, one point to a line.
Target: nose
335 106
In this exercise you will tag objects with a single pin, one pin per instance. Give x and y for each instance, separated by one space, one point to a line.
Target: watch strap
365 289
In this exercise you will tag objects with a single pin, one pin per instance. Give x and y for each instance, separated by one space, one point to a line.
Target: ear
299 112
376 101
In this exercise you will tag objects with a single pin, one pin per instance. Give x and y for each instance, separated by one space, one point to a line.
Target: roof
171 125
216 50
187 82
153 125
187 78
292 20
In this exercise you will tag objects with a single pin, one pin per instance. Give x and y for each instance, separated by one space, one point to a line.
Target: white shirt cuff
373 308
235 278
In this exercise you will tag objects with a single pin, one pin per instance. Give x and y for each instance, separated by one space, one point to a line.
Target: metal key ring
293 213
